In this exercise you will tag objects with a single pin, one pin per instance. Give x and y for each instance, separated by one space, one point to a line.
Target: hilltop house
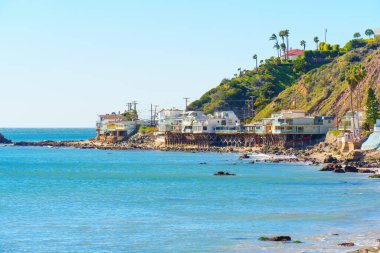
292 122
114 127
292 54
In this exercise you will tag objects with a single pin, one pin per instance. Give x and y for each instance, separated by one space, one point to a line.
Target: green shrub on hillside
355 43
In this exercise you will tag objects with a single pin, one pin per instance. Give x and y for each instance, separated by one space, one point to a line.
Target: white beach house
294 122
114 127
170 120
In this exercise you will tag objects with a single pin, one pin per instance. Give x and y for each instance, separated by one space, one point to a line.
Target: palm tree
369 32
303 44
354 75
357 35
316 40
274 37
282 35
286 33
277 47
283 48
255 58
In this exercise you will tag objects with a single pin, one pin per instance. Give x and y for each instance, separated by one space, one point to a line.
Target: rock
4 140
355 156
244 156
347 244
281 238
330 159
338 170
222 173
375 176
364 170
328 167
349 168
202 163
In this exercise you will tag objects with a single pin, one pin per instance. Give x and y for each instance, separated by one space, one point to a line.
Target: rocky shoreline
325 154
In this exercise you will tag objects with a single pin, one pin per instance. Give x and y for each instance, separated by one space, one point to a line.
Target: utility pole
155 114
186 100
325 34
151 114
134 105
129 106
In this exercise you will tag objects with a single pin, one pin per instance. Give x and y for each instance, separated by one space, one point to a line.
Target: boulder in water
349 168
4 140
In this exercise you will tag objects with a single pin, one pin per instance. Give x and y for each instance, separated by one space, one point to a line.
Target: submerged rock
347 244
280 238
222 173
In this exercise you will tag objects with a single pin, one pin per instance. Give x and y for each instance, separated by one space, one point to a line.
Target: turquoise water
45 134
74 200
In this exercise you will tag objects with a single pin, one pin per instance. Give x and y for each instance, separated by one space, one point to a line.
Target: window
204 128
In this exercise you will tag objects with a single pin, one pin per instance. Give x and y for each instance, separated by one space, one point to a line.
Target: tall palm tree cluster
284 35
354 75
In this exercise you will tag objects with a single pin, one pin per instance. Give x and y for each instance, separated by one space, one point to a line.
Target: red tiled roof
294 52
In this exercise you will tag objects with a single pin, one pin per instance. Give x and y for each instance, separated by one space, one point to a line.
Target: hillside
324 91
259 85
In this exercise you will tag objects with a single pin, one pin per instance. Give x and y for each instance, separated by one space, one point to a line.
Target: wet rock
330 159
202 163
364 170
375 176
350 168
281 238
222 173
244 156
4 140
330 167
347 244
339 170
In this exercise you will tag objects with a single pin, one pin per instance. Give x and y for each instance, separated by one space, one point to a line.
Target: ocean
80 200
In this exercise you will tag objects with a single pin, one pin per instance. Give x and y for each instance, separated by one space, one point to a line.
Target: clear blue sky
64 62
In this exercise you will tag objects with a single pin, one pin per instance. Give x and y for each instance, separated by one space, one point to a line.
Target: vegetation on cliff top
314 82
324 90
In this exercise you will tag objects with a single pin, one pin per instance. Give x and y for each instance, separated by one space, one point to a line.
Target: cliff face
323 91
3 140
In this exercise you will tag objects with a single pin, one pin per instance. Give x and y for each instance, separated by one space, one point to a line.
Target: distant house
292 54
114 127
197 122
170 120
293 122
347 121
